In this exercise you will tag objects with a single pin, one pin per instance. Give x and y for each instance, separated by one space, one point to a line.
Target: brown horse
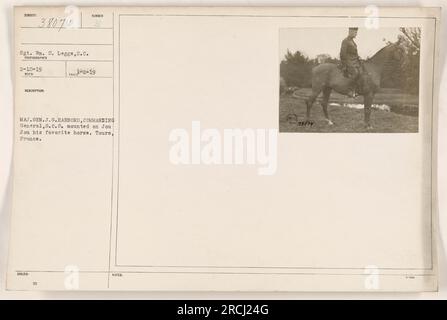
328 76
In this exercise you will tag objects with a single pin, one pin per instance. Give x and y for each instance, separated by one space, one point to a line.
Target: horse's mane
380 51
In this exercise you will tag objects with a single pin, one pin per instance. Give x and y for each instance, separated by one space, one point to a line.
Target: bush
296 70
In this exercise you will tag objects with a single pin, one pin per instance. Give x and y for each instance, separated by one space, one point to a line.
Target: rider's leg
354 75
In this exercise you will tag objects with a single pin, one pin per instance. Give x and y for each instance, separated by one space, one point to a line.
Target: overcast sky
314 41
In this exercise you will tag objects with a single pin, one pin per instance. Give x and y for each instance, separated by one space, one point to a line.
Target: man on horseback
350 60
364 76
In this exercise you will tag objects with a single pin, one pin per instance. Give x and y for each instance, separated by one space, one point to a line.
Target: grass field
403 116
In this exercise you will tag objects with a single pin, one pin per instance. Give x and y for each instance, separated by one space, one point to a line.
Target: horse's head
394 53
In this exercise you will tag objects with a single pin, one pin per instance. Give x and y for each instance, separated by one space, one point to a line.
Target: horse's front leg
367 101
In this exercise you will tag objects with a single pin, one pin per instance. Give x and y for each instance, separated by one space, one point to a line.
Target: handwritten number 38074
58 23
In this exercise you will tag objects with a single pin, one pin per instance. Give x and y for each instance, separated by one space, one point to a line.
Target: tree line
296 67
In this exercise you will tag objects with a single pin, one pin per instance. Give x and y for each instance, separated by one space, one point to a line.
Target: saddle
344 69
359 81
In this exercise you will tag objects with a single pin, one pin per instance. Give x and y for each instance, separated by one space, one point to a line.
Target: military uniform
349 57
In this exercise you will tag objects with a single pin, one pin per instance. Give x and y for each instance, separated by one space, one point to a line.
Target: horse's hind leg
368 100
325 102
316 89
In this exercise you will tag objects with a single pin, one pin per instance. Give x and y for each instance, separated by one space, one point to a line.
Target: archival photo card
191 149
